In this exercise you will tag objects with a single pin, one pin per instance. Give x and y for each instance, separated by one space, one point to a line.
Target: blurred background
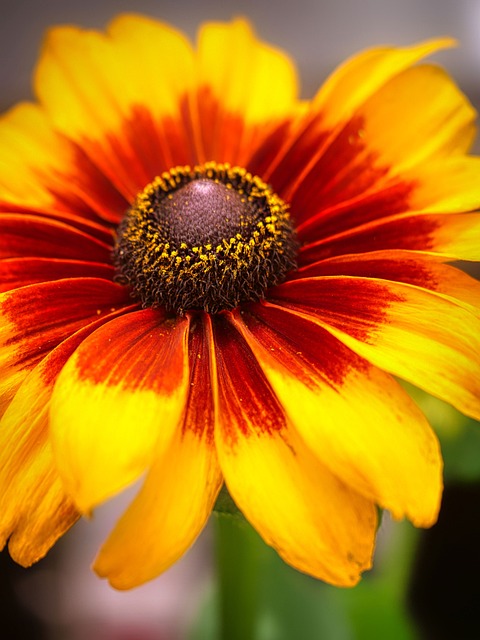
425 585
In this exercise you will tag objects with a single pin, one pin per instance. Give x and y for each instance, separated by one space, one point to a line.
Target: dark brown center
207 238
202 212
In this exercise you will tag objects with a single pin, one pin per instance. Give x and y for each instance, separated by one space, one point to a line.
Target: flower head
206 280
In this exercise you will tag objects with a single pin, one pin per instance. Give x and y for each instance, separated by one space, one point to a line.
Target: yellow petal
436 119
118 400
59 177
28 146
34 508
422 337
167 515
156 63
232 59
178 493
89 81
356 419
446 185
229 121
456 237
360 77
119 96
316 523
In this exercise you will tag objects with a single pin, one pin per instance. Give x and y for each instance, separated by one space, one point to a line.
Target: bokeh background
425 585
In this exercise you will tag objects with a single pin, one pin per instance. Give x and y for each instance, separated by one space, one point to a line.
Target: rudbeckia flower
209 281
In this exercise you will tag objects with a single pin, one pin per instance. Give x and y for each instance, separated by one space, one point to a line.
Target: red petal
418 269
34 236
244 394
20 272
35 319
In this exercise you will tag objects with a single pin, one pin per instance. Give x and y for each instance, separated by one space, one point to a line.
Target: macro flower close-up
208 281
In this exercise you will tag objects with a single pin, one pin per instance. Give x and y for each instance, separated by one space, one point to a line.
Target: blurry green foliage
293 606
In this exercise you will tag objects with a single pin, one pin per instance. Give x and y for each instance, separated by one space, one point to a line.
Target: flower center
207 238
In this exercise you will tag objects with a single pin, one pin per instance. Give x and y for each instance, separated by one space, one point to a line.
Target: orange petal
178 493
316 523
356 419
117 403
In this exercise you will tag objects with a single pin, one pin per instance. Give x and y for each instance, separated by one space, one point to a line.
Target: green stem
238 560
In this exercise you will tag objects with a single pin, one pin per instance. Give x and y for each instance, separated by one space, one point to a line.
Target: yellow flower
207 280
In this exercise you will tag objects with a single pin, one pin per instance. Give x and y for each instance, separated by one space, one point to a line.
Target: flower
207 280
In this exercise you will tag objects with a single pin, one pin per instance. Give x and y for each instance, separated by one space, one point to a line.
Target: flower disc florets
207 238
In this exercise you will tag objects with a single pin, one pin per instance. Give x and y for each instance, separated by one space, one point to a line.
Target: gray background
318 33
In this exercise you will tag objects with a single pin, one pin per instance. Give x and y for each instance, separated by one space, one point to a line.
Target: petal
356 419
81 72
23 235
58 174
231 119
35 319
117 402
90 85
416 268
39 512
34 509
21 272
422 337
455 237
360 77
436 118
314 521
440 186
334 111
368 155
178 493
231 57
448 237
446 186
